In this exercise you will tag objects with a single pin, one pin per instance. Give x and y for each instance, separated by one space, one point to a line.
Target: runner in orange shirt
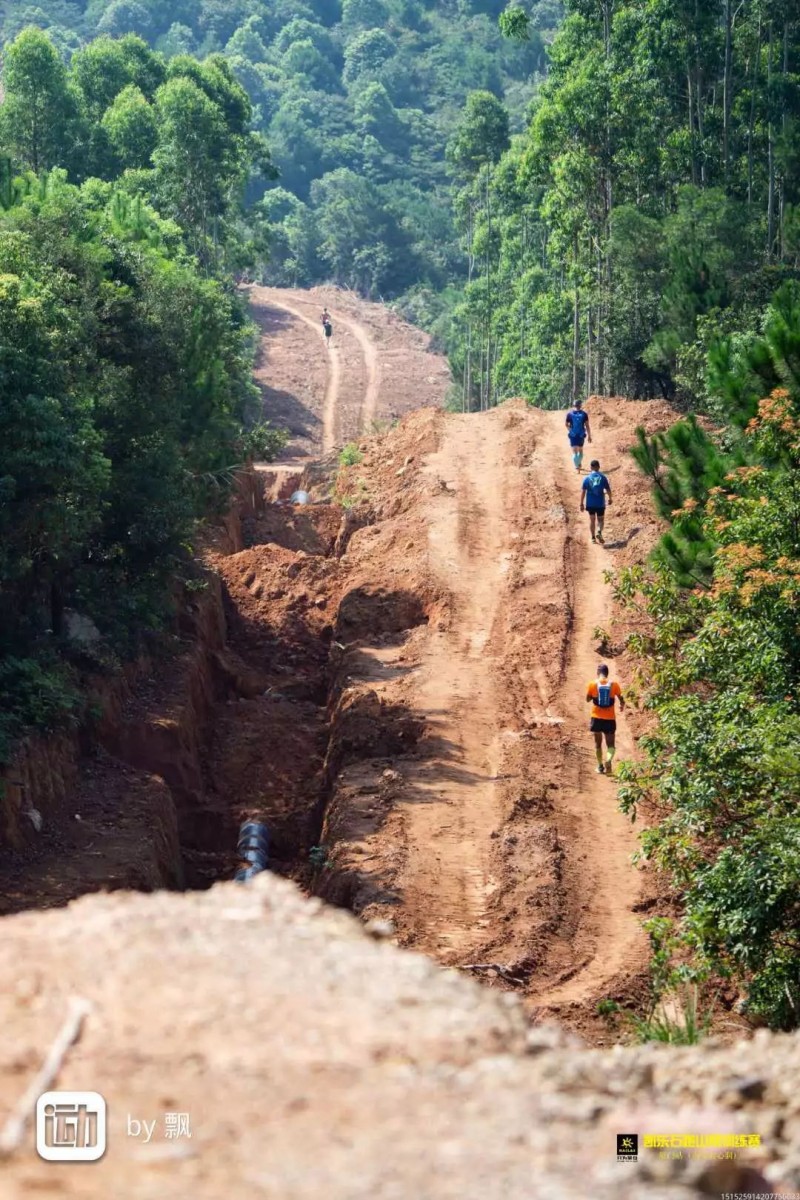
602 694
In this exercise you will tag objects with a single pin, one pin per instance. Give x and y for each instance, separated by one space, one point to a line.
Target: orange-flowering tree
722 768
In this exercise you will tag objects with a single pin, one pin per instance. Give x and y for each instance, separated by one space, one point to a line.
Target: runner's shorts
577 442
602 725
596 510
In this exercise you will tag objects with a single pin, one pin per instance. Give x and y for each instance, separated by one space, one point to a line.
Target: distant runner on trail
602 694
326 324
577 424
593 499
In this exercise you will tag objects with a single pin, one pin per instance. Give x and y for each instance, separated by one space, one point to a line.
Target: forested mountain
357 99
651 203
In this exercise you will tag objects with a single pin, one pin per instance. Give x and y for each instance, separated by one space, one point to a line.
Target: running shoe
601 539
601 769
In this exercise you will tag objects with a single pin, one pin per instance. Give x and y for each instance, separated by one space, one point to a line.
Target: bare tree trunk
576 342
488 289
782 211
751 123
699 95
726 96
770 153
600 343
691 123
470 268
588 368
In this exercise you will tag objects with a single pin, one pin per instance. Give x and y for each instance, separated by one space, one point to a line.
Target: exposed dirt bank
313 1061
397 689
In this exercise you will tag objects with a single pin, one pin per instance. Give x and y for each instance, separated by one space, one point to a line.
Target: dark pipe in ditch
252 848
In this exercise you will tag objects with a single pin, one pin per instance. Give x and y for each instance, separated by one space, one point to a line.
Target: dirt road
451 873
396 687
501 849
375 368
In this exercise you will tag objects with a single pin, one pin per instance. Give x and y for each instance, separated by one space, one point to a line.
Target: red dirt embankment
449 617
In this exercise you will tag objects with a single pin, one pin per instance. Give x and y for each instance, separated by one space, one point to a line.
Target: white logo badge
71 1126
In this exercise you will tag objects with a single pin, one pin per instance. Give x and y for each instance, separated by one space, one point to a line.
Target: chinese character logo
71 1126
627 1147
177 1125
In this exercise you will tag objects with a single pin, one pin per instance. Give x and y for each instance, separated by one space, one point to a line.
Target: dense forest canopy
126 395
652 201
357 100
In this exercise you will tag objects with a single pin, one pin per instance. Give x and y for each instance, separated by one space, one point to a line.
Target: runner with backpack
578 430
327 325
593 499
603 724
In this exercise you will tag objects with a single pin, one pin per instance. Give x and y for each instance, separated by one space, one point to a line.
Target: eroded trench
251 715
303 640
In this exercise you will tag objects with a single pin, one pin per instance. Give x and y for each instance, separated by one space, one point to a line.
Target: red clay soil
491 844
401 684
121 832
375 369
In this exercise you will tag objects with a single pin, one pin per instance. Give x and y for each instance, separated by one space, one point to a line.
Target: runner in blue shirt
593 499
577 423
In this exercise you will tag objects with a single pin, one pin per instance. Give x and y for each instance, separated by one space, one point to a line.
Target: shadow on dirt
365 615
281 408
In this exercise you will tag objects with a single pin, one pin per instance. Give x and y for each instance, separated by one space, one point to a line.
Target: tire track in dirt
369 407
452 871
448 875
501 845
331 397
598 839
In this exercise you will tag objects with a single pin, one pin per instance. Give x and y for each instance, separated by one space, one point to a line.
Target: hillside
358 101
266 555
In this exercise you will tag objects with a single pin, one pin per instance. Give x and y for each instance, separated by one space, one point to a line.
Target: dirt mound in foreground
314 1061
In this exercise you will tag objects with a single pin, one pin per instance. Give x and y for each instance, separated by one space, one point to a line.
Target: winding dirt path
376 368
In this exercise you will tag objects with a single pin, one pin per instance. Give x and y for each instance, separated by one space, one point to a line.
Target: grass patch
350 455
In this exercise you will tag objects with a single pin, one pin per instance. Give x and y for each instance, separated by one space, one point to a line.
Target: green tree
38 110
126 16
367 54
132 128
482 136
721 766
361 242
359 15
53 474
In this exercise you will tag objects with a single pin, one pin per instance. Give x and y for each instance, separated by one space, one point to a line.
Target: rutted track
494 841
376 368
401 684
